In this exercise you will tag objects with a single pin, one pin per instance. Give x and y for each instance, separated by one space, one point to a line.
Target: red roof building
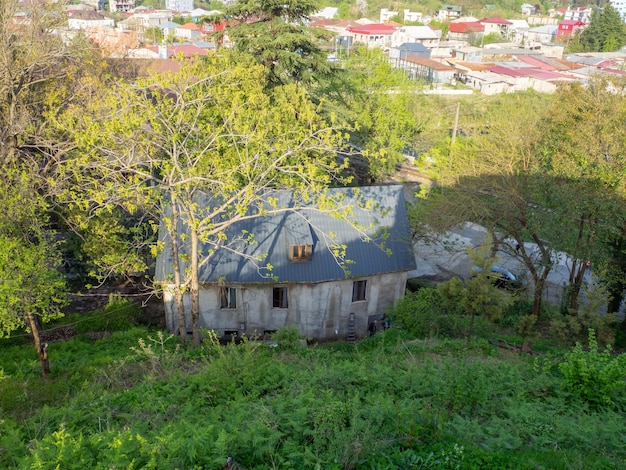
465 31
569 27
372 35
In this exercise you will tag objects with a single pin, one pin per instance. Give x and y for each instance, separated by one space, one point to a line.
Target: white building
327 13
83 19
415 34
386 15
412 16
179 5
122 6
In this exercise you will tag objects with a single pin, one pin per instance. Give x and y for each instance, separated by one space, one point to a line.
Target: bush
287 338
420 312
596 377
574 327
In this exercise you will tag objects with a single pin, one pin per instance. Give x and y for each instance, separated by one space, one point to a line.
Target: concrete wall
319 311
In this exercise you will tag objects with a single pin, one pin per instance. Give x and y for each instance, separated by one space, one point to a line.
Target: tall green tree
377 100
32 289
477 295
584 150
486 176
211 133
35 61
275 34
606 31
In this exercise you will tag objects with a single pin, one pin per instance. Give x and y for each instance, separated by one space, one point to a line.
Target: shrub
596 377
573 327
287 338
420 312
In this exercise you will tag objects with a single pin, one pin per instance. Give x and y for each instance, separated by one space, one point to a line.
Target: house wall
319 311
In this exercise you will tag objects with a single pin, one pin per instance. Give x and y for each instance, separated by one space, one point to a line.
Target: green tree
210 133
606 31
477 295
486 176
275 35
32 289
377 100
583 149
34 64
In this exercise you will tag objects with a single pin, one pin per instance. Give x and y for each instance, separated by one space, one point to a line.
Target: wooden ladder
351 336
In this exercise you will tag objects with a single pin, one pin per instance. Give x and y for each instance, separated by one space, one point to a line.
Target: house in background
540 34
399 53
415 34
83 19
372 35
386 15
122 6
528 9
448 13
327 13
412 16
179 5
307 287
578 13
188 32
469 32
429 70
569 27
497 25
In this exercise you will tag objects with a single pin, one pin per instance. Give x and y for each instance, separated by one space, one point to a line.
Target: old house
497 25
469 32
568 28
372 35
415 34
307 286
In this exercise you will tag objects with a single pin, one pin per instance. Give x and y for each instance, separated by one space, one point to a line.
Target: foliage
598 377
426 314
477 295
154 352
397 403
287 338
606 31
277 36
377 100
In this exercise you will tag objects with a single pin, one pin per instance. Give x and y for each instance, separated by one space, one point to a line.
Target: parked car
502 278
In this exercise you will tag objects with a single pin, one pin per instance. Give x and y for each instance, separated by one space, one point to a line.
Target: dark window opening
280 297
228 297
358 290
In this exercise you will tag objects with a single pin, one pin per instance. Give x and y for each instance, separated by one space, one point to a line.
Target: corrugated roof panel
257 242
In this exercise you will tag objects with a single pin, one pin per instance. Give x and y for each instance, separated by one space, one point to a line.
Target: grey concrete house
307 286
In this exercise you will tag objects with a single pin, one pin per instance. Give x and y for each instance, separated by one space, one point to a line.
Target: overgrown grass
136 399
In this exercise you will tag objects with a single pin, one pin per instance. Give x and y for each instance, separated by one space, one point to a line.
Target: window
358 290
228 297
280 297
300 252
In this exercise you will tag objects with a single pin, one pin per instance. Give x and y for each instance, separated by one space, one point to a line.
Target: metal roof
379 211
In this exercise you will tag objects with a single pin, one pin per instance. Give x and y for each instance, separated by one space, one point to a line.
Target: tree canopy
606 32
275 34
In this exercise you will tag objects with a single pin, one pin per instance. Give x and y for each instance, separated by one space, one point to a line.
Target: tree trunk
539 279
42 349
575 288
195 307
178 293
